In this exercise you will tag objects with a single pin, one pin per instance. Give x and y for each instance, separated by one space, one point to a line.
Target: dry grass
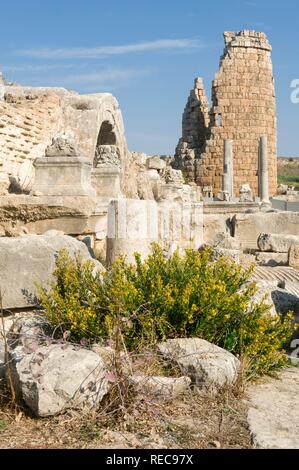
192 421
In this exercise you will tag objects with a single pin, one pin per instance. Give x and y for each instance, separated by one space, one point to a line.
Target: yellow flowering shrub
159 298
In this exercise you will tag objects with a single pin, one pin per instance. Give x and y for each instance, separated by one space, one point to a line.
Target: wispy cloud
104 77
104 51
250 3
101 80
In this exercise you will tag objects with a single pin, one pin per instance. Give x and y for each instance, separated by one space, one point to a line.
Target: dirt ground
190 422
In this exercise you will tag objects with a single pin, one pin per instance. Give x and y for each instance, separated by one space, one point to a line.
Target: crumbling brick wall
31 117
27 124
243 109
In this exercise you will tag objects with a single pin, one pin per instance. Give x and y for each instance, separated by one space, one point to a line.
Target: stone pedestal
63 176
106 181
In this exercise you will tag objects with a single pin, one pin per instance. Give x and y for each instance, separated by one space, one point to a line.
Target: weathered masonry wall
31 117
243 109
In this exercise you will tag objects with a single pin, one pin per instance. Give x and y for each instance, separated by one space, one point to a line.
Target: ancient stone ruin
68 181
243 110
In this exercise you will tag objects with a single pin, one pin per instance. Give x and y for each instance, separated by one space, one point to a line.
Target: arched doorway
107 151
106 135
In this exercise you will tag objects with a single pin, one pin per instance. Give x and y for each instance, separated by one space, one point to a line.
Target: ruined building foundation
243 110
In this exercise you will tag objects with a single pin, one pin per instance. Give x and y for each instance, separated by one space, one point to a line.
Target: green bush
156 299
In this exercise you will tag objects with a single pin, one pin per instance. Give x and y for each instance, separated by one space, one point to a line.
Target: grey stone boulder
209 367
29 260
160 387
59 377
276 243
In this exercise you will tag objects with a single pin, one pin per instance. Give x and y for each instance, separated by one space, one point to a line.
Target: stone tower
243 109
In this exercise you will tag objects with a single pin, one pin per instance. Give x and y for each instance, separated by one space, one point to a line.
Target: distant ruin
243 109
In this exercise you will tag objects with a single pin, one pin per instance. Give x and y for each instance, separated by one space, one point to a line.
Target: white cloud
108 80
104 51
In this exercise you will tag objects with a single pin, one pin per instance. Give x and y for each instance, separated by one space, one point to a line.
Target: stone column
263 170
228 185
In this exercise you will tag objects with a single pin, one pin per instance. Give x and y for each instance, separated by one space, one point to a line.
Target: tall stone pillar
228 184
263 170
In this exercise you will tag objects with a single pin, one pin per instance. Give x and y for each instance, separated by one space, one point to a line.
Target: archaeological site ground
149 301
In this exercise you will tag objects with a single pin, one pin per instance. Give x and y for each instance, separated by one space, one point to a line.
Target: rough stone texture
30 330
224 240
272 259
217 252
31 117
213 224
59 377
160 387
30 259
156 163
134 225
243 110
107 155
62 172
263 294
248 227
276 243
209 366
273 415
293 256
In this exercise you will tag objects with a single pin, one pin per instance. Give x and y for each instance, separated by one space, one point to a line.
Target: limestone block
59 377
63 176
29 260
106 181
208 366
277 243
248 227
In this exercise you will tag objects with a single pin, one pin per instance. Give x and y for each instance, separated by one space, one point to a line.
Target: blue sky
147 53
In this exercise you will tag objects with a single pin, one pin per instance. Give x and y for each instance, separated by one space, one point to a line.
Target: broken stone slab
293 256
277 243
28 260
272 259
209 366
160 387
59 377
